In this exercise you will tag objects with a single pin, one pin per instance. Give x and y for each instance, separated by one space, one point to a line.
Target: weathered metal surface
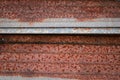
33 78
38 10
109 22
58 68
62 58
59 48
32 30
87 57
59 13
62 39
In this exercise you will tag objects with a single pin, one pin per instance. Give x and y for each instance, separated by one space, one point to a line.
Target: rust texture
59 48
38 10
85 57
66 39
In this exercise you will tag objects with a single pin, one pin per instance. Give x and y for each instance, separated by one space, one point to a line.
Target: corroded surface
40 16
38 10
60 58
84 57
59 48
60 39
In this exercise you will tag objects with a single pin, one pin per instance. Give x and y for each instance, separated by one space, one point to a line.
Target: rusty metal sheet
59 14
62 39
59 48
38 10
71 57
56 58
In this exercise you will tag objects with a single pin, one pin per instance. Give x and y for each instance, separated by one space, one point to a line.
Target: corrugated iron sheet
60 16
60 57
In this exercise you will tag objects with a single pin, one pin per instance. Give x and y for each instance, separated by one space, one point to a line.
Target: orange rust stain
31 23
38 10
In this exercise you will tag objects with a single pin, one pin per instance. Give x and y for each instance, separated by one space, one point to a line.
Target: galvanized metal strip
31 78
63 22
32 30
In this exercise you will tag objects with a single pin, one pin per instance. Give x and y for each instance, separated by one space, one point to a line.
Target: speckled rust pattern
60 68
70 56
59 48
38 10
61 58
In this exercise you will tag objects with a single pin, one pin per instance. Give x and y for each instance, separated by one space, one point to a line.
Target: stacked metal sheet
59 57
60 16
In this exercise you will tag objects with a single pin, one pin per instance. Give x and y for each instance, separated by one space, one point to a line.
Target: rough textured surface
59 48
86 57
38 10
66 39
